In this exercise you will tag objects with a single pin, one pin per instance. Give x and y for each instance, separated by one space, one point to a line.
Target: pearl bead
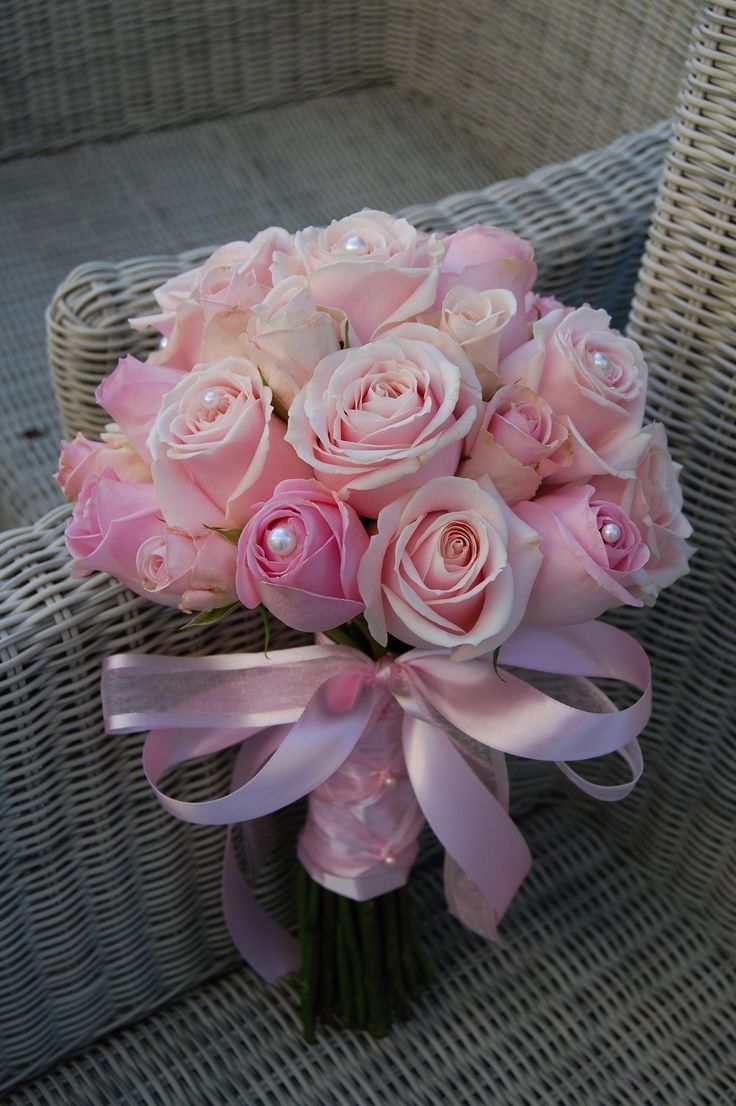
389 860
611 532
355 244
281 540
163 343
210 398
390 781
602 362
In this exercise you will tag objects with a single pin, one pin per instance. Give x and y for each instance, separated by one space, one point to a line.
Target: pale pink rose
193 573
81 458
294 333
217 447
132 395
590 374
375 268
299 556
538 306
484 258
518 444
224 276
476 321
377 421
590 551
450 565
366 236
653 500
110 520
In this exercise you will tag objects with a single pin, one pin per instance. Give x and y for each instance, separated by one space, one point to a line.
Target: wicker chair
279 95
616 982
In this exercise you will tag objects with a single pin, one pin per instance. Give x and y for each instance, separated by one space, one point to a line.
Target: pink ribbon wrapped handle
299 713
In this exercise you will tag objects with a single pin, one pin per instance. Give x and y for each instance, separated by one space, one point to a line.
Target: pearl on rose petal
390 781
210 398
281 540
389 860
355 244
163 343
611 532
602 362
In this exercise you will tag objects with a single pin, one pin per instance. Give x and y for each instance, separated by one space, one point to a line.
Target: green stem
308 934
375 987
343 970
346 913
417 963
392 946
328 953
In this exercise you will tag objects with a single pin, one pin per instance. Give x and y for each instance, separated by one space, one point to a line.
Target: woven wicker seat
616 984
113 118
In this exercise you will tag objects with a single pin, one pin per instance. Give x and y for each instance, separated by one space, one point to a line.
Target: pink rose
376 421
476 321
217 447
195 573
299 556
366 236
588 373
590 549
110 520
450 565
538 306
223 277
485 258
294 333
82 458
132 395
653 500
518 444
373 267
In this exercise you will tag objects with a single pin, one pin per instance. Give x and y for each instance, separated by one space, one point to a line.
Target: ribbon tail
466 817
260 939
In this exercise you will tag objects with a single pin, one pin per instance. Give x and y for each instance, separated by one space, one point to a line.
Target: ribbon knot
298 714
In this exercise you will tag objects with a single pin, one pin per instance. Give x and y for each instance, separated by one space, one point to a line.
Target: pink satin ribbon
300 712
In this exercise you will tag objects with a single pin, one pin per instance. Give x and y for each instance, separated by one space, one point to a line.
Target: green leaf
206 618
232 535
496 654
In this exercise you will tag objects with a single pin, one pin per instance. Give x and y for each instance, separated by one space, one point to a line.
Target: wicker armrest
109 905
586 217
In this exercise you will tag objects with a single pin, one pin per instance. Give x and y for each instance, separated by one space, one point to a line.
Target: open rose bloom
390 439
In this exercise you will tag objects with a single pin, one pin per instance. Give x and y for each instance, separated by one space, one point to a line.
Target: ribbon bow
298 714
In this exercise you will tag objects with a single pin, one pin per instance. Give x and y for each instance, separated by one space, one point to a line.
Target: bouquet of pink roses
385 438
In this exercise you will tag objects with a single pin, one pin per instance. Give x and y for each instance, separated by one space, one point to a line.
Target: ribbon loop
300 712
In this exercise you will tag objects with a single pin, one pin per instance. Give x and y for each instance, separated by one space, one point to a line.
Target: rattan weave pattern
84 69
683 822
600 996
586 218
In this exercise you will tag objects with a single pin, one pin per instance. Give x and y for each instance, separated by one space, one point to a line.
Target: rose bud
481 258
518 444
653 500
294 334
132 396
81 458
450 565
110 520
377 421
194 573
217 447
588 373
590 551
299 555
475 320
